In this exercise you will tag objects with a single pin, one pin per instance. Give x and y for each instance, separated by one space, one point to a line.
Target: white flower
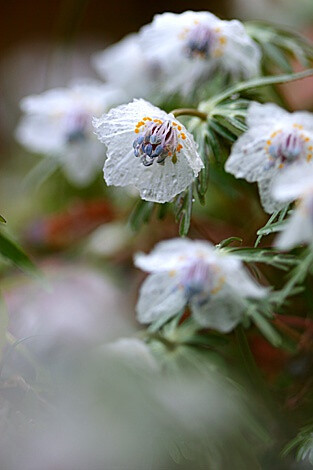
192 45
296 183
275 139
125 65
183 271
81 307
57 123
149 149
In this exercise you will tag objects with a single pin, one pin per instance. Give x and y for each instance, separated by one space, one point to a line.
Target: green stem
255 83
189 112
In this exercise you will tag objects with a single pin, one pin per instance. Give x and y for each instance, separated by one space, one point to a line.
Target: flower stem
189 112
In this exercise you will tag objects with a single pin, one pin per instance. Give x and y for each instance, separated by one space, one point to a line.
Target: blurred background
80 238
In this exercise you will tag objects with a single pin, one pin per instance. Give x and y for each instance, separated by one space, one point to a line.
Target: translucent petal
269 114
159 296
298 230
294 181
248 157
50 102
139 73
305 119
241 55
83 161
242 282
41 134
172 254
222 311
269 203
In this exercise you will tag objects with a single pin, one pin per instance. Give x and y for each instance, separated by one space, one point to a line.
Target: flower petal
160 296
83 161
172 254
269 203
293 182
222 311
41 134
248 156
268 114
298 230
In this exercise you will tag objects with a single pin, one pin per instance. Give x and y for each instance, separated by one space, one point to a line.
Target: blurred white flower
132 351
214 285
190 46
149 149
275 140
81 308
296 183
57 123
126 66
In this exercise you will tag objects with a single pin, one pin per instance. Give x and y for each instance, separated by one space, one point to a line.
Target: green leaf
266 255
202 181
140 214
222 131
228 241
303 444
265 327
14 254
183 214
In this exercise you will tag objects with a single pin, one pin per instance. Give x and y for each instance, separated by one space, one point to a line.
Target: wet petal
159 296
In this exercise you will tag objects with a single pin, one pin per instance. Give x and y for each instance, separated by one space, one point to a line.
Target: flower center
287 146
200 280
77 123
202 41
157 140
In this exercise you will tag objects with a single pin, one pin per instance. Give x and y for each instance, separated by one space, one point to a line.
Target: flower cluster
178 52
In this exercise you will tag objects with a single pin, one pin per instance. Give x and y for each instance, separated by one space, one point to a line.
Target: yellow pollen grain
268 142
172 273
298 126
170 154
183 136
179 128
309 157
307 139
147 118
140 123
174 123
222 40
137 131
281 165
218 29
